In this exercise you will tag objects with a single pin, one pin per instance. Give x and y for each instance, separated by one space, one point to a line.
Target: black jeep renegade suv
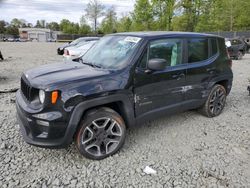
124 80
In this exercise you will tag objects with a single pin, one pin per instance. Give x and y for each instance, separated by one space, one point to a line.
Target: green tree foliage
84 27
3 24
177 15
38 24
109 22
212 15
12 30
41 24
142 15
124 24
68 27
94 10
163 13
53 26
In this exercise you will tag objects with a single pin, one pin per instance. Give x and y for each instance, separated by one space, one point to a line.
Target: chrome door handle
211 70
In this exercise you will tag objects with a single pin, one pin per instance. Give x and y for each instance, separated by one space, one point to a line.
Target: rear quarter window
214 47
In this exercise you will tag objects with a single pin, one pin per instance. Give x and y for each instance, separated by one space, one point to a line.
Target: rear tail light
66 52
230 63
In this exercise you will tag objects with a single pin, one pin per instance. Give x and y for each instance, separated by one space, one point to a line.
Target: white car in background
79 50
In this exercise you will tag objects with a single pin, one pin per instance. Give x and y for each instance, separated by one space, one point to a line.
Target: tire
101 134
215 102
239 55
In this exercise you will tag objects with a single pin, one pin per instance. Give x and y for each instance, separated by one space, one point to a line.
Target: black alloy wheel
102 134
215 102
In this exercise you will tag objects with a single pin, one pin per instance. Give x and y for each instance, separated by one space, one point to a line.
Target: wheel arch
224 83
120 103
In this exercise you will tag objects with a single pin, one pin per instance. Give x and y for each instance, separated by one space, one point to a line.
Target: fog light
43 135
50 116
43 123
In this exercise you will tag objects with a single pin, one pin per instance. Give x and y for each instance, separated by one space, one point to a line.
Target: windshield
112 52
84 43
74 42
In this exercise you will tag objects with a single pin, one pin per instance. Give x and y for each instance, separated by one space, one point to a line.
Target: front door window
168 49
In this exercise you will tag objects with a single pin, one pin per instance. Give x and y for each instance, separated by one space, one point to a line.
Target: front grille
29 92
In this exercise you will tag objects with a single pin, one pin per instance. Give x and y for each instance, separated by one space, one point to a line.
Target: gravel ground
186 150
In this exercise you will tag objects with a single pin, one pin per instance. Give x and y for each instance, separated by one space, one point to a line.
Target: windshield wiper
91 64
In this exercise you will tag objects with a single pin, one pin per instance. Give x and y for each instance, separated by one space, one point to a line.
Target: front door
158 92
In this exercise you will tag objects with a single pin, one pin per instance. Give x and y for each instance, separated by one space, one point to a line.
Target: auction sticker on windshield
132 39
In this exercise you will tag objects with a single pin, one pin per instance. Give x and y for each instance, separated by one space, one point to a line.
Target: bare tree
94 10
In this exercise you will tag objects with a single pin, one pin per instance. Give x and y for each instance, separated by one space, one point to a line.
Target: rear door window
197 50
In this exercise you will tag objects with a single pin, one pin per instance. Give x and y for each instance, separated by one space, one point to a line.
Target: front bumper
44 129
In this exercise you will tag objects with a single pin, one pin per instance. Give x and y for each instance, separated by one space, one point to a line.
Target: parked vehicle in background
60 50
1 56
23 40
51 40
237 49
124 80
10 39
17 39
78 50
247 41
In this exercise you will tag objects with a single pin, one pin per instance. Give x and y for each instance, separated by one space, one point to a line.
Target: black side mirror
157 64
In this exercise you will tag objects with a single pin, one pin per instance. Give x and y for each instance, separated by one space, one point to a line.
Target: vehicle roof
156 34
89 38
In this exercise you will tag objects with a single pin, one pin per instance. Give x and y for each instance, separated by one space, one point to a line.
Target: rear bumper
43 129
229 86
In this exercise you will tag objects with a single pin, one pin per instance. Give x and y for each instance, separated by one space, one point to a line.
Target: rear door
157 91
202 56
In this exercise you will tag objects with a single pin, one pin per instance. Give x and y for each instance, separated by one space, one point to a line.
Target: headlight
41 96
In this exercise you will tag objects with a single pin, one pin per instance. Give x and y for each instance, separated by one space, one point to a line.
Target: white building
37 34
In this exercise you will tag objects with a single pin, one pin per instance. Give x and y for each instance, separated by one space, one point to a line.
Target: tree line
164 15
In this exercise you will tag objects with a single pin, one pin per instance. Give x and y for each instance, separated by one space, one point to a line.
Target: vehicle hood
69 47
47 76
77 52
64 46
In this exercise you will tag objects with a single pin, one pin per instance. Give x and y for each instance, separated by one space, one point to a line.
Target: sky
55 10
